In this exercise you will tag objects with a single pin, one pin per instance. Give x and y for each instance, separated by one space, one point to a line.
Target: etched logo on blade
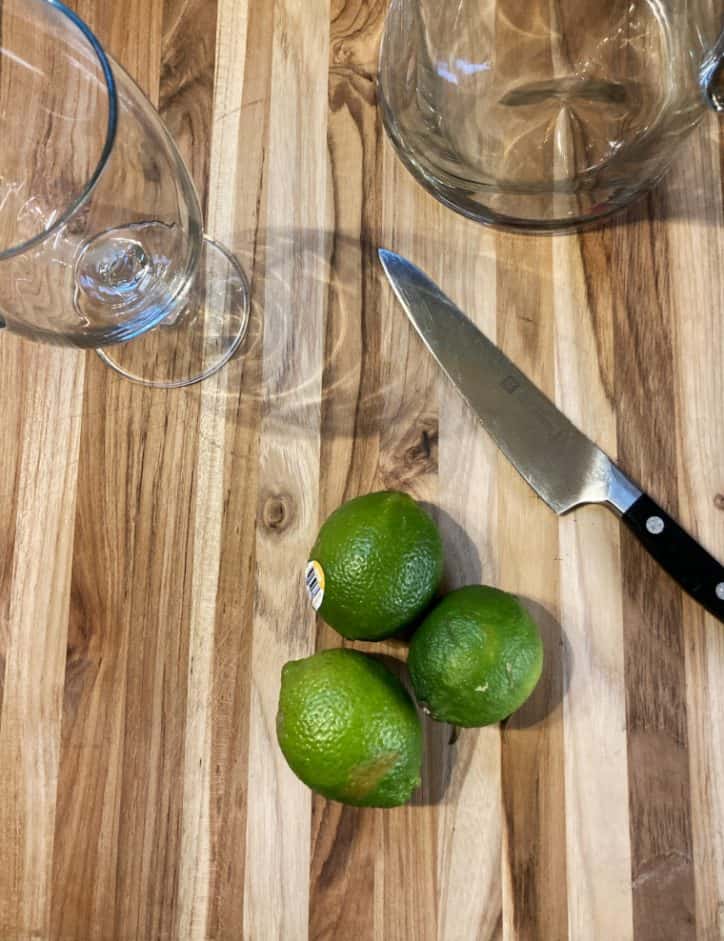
548 419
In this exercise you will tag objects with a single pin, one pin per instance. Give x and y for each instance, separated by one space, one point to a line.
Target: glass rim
111 129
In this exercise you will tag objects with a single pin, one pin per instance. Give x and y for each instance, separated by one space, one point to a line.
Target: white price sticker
314 581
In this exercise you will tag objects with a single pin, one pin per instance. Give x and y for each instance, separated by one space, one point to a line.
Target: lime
476 657
376 565
348 728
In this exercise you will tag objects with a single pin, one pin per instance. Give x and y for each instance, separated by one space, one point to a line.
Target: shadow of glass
344 385
343 278
342 376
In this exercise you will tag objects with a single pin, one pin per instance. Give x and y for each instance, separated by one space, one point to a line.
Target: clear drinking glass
101 232
539 114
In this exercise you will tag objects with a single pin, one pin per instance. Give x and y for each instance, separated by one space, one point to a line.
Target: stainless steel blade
560 463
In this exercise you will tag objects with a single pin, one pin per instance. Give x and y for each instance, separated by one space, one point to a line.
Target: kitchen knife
560 463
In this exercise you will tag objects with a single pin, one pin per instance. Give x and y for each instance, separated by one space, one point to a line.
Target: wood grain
345 840
659 795
594 706
276 889
470 824
46 390
535 883
698 276
151 544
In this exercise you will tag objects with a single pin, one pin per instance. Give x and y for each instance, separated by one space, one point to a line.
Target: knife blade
564 467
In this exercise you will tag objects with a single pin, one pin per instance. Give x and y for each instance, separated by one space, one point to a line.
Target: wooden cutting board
152 544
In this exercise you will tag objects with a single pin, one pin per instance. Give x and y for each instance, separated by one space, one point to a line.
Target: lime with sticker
376 566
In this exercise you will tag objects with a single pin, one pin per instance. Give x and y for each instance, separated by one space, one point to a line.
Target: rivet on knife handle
678 553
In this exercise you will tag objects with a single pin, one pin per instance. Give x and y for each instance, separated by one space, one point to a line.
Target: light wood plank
596 782
278 819
534 858
195 864
195 848
236 214
470 811
34 618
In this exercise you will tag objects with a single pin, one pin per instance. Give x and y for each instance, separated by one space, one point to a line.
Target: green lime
348 728
476 658
376 566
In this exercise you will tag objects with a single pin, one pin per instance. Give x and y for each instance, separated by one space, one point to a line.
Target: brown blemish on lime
366 777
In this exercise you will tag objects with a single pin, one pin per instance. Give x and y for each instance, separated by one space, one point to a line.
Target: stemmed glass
101 231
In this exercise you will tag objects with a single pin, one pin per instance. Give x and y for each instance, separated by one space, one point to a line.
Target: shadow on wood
548 695
349 388
438 747
463 565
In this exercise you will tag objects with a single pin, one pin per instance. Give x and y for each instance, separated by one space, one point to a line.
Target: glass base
550 206
199 337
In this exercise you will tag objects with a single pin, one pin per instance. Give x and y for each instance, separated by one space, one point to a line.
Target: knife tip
392 263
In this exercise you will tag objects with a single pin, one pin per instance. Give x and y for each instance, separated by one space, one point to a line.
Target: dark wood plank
660 798
121 782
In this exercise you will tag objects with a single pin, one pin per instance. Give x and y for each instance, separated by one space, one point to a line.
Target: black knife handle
679 554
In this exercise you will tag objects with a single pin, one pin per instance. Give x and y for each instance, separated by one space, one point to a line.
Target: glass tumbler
542 114
101 231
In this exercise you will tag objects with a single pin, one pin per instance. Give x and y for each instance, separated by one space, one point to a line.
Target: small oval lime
476 657
381 555
348 728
